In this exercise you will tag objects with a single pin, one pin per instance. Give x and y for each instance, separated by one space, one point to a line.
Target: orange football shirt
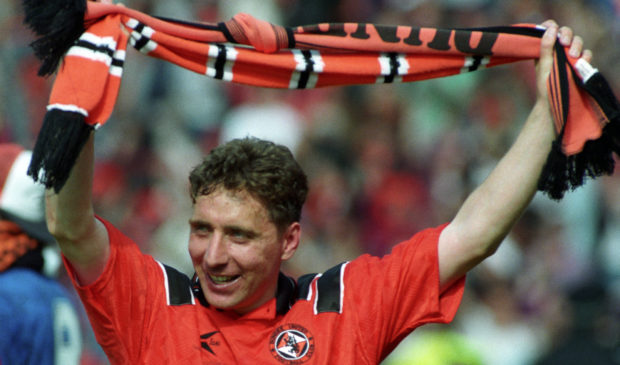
144 312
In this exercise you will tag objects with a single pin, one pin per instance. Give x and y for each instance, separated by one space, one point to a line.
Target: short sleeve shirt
145 312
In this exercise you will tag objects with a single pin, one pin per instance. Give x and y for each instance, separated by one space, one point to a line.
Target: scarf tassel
600 91
58 23
52 165
562 173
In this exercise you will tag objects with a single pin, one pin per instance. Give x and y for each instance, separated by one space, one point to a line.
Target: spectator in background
40 325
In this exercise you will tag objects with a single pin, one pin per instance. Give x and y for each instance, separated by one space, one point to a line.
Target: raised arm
71 220
491 210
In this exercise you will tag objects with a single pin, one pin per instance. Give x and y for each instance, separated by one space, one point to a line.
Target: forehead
223 204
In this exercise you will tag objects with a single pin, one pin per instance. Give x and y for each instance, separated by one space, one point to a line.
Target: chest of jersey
312 329
212 337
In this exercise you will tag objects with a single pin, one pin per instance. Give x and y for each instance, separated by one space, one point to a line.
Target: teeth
222 279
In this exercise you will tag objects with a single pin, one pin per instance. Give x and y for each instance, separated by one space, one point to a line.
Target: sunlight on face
236 250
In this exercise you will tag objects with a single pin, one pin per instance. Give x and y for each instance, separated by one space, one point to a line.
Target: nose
216 254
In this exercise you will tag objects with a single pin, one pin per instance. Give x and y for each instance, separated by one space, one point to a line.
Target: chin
228 305
220 302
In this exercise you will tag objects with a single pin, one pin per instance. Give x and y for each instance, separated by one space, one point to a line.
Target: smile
218 279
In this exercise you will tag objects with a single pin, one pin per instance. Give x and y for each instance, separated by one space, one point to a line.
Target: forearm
491 210
71 220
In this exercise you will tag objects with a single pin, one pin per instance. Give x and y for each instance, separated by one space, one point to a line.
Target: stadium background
384 161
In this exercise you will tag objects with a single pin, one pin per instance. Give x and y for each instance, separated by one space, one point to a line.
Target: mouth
223 279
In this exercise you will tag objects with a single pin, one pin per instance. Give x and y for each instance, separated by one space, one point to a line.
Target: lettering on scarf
441 41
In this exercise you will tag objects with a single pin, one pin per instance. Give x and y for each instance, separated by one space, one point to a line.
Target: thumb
545 61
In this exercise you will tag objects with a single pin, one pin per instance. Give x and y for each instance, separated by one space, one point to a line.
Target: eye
239 235
200 229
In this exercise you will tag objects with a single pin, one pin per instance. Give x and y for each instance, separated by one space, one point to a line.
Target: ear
290 240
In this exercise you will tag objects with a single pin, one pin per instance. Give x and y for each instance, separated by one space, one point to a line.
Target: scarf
85 43
14 243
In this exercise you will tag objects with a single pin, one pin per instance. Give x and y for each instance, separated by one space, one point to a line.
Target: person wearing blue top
38 317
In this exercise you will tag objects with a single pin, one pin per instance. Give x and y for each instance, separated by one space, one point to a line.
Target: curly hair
266 170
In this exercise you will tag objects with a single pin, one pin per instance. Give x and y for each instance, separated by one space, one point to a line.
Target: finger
576 47
566 36
587 55
549 23
545 62
548 40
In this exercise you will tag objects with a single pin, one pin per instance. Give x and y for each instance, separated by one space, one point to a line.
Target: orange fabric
554 90
95 93
324 55
97 10
128 310
406 39
583 123
249 51
14 243
259 33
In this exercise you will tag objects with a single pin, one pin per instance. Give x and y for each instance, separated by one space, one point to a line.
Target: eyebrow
198 223
230 229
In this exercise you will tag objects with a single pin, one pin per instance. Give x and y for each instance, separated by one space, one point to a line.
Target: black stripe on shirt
179 287
329 290
303 285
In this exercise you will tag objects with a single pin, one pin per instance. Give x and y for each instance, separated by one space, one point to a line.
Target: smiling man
247 197
239 308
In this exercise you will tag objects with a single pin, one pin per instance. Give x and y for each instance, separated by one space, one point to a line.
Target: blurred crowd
383 161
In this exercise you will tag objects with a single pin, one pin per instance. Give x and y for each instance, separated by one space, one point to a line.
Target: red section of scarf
324 55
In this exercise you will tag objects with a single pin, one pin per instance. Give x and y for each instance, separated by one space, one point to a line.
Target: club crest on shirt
291 344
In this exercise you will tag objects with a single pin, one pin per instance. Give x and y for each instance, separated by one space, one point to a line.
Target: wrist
544 115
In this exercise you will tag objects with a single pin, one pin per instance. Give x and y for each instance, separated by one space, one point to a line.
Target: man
247 199
37 315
